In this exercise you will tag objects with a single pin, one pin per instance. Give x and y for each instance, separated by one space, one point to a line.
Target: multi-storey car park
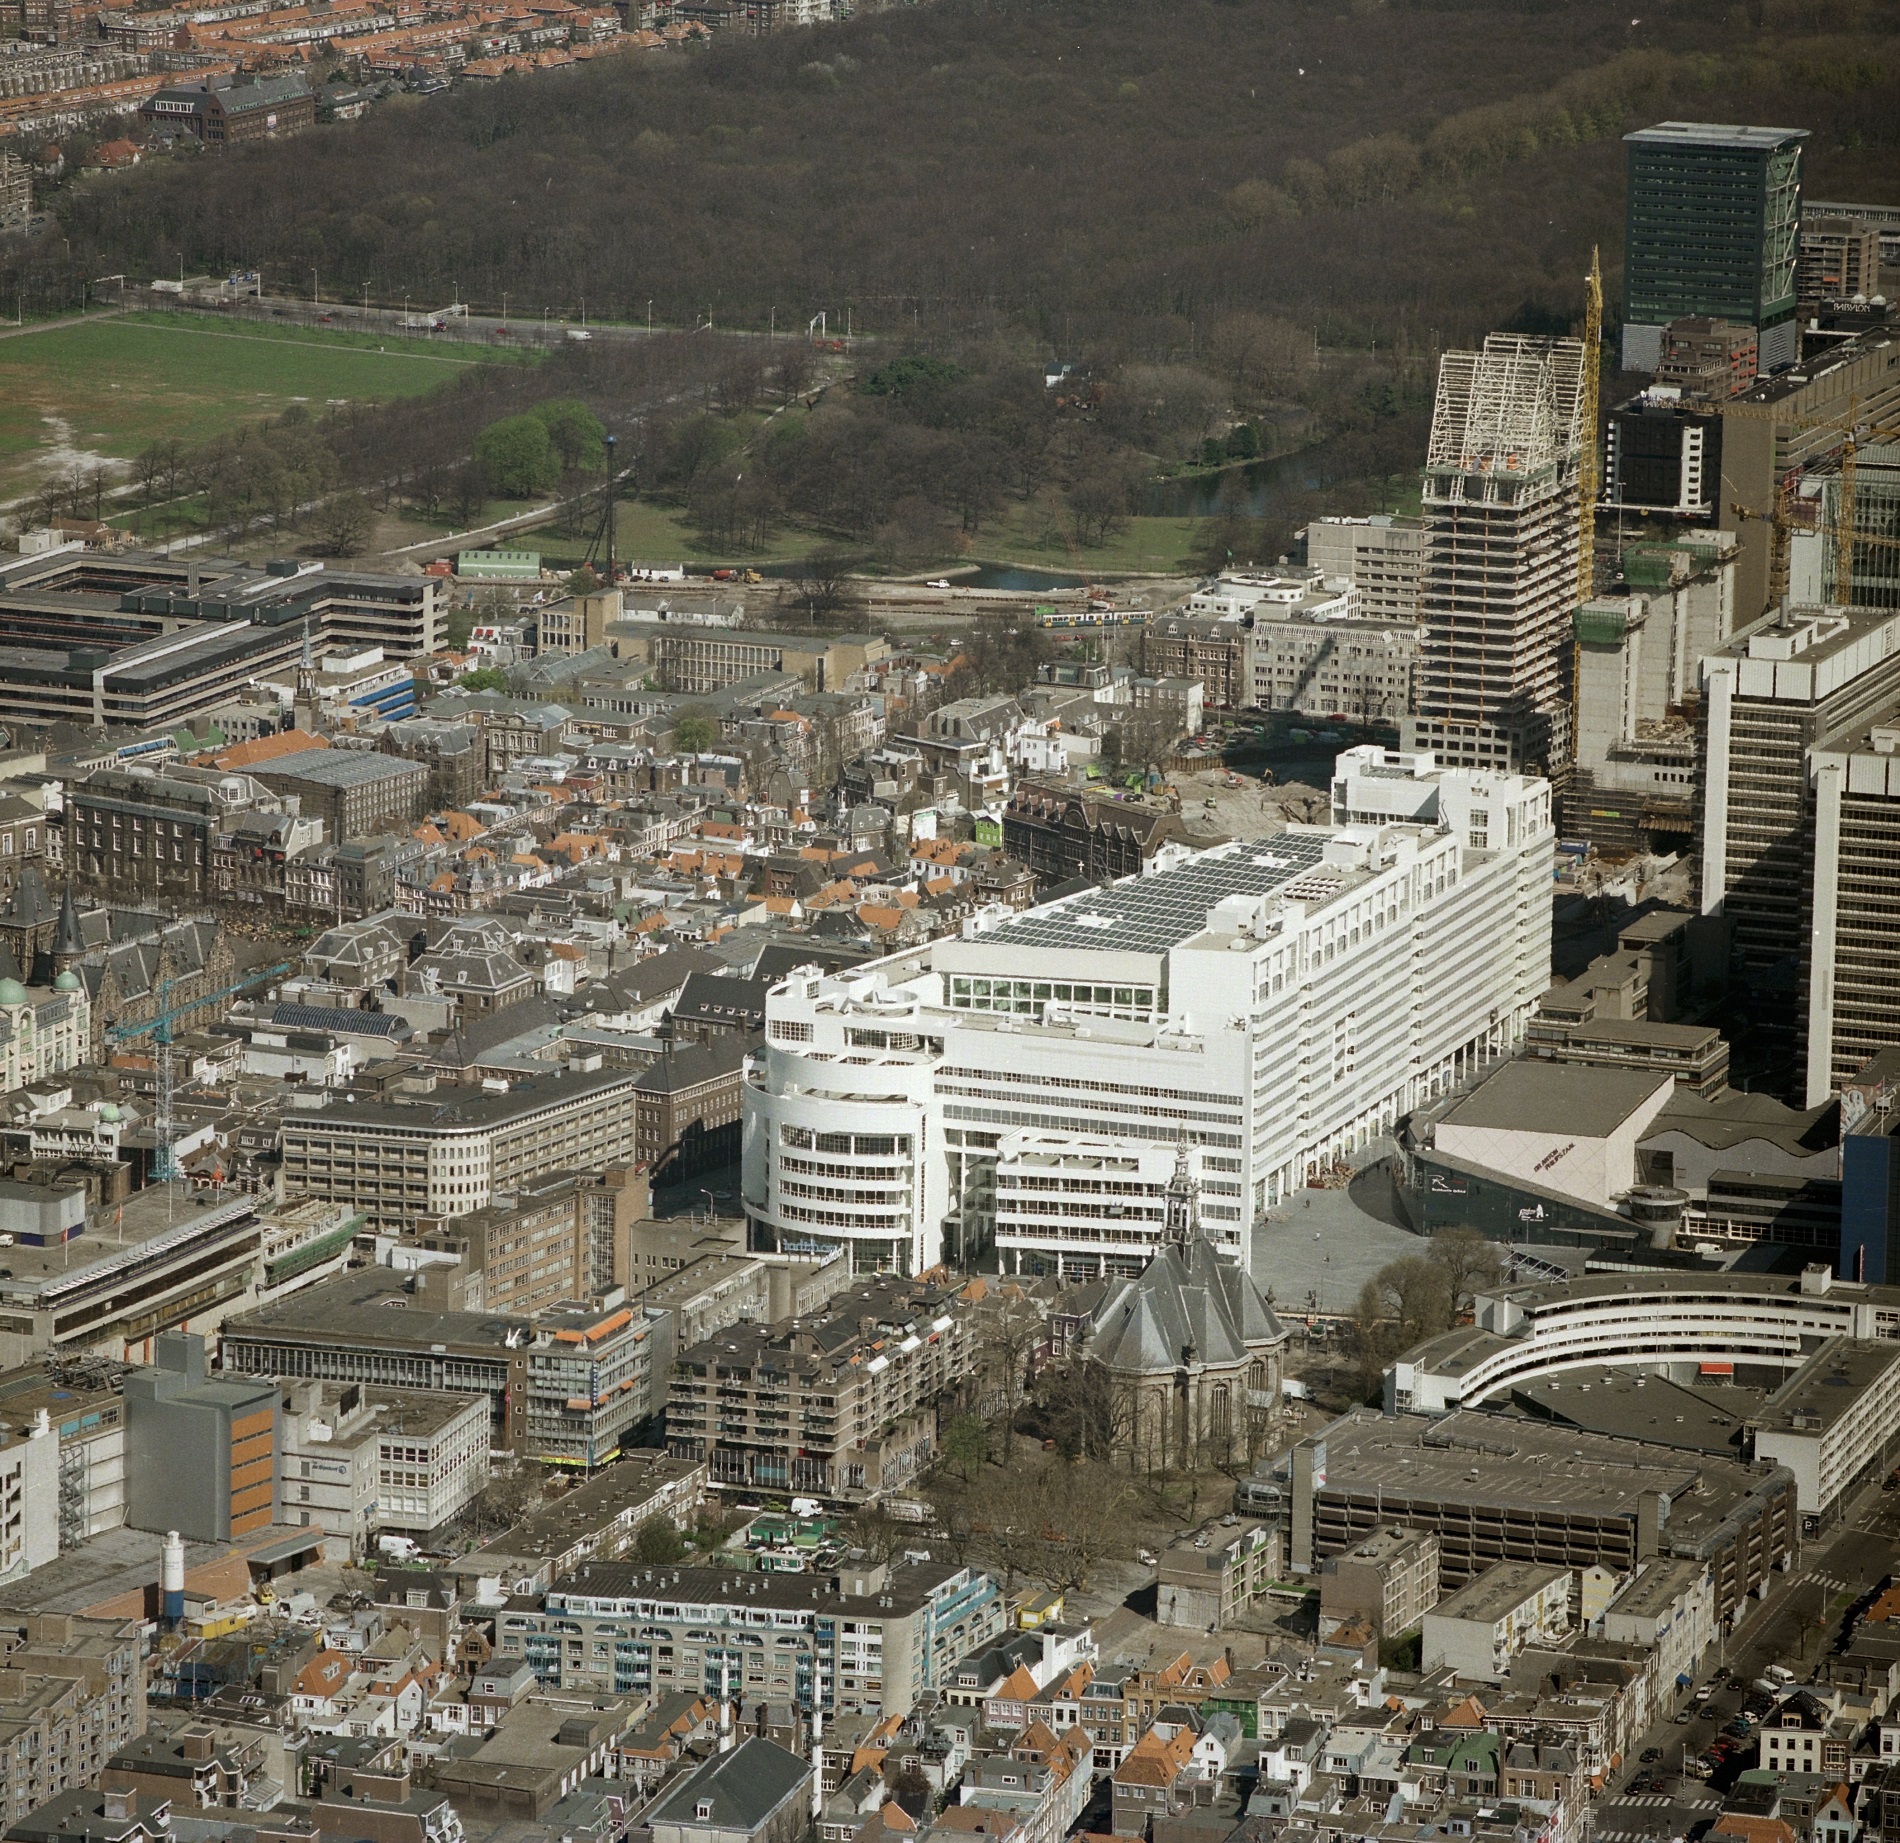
142 640
1512 1489
1272 1004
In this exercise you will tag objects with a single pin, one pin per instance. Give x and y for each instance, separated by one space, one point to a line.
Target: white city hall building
1269 1005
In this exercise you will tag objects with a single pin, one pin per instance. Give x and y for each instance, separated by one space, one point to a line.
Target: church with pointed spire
1185 1357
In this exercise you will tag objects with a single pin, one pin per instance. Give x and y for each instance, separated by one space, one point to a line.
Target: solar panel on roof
1152 914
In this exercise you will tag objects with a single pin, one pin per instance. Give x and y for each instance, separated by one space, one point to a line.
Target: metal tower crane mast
1589 462
165 1160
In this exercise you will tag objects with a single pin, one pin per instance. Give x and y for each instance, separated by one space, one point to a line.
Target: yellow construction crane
1589 465
1788 518
1845 536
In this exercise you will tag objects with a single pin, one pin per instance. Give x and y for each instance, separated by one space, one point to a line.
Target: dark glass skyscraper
1711 224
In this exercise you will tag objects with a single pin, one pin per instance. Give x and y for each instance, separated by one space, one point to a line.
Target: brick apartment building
1061 835
222 111
686 1113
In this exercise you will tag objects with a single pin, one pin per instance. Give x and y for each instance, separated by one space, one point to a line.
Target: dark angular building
1664 455
1712 224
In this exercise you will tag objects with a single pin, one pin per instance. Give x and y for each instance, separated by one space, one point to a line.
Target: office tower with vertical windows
1712 226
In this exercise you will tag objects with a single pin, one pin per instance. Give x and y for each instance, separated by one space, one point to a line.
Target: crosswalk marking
1667 1798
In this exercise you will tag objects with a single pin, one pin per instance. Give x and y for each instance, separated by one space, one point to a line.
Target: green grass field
110 388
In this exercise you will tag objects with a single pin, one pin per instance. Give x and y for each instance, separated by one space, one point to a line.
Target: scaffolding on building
1513 408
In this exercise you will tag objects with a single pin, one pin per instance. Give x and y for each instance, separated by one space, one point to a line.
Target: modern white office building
1270 1004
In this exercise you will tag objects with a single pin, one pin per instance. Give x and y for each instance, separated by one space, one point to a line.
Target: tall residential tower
1498 589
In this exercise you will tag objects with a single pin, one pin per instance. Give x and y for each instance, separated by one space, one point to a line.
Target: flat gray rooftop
1557 1097
1716 134
1469 1458
1497 1590
1832 1384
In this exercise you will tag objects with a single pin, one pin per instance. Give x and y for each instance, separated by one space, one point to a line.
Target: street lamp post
313 288
649 317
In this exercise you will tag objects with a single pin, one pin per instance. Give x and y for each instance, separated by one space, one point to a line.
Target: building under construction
1500 578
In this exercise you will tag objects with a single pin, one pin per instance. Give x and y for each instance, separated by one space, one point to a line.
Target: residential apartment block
1388 1581
72 1694
1478 1630
871 1638
839 1405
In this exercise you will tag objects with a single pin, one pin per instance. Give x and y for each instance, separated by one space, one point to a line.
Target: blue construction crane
165 1164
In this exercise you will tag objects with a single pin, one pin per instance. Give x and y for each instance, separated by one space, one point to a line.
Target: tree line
1407 173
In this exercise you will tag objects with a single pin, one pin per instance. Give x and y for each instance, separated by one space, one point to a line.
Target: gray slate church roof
1187 1305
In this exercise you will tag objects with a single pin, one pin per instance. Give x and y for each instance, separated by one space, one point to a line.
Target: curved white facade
839 1150
1637 1321
1271 1005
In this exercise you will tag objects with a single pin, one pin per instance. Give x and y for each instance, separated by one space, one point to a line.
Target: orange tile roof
270 749
324 1674
1154 1761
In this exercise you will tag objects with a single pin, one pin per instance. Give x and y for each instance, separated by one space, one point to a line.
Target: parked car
1651 1755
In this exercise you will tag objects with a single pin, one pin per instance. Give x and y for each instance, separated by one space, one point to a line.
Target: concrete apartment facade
396 1160
870 1638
